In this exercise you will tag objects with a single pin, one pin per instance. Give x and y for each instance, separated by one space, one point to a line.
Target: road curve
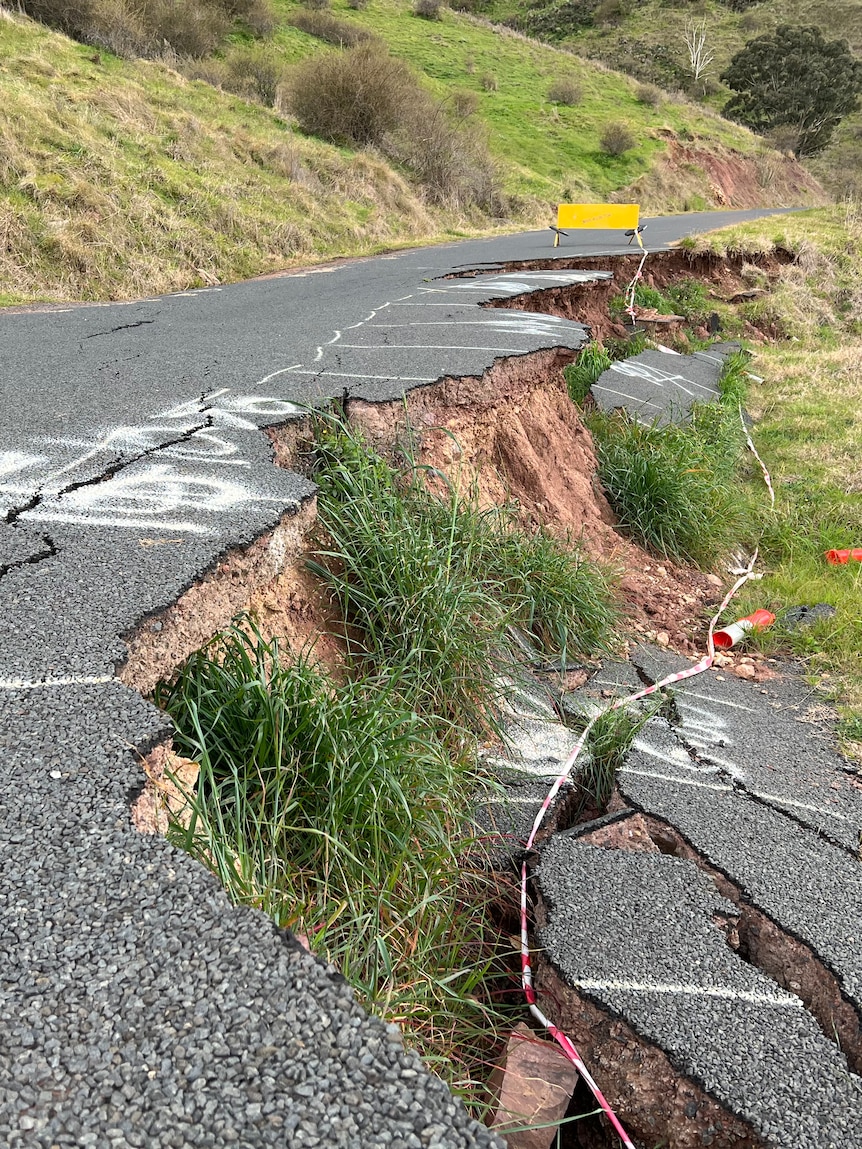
137 1006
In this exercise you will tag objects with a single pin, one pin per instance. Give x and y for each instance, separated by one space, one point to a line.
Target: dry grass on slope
122 179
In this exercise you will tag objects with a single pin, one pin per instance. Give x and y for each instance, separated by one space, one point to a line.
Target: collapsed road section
139 1006
727 876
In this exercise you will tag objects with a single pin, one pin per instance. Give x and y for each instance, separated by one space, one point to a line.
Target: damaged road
716 915
139 1007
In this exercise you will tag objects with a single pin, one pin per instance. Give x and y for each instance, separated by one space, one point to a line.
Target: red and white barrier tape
705 663
633 285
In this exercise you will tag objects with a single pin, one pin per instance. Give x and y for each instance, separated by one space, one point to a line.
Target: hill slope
120 178
645 40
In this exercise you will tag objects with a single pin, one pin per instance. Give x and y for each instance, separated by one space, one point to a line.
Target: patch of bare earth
726 277
268 580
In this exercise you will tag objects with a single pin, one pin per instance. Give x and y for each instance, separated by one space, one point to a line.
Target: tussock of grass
592 362
429 583
675 488
336 811
607 745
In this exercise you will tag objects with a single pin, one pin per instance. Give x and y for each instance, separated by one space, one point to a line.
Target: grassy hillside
122 177
645 40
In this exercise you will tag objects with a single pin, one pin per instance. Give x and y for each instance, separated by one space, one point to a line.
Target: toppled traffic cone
837 558
729 636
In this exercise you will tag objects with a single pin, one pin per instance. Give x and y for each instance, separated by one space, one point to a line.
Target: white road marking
385 378
680 781
275 374
685 989
428 347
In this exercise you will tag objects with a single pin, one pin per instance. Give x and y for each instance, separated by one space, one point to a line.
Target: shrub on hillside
489 82
193 28
617 138
565 91
364 98
648 94
428 9
355 97
320 23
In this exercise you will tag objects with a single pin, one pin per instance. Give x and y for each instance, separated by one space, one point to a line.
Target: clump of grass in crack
733 379
429 583
606 748
592 362
674 487
335 810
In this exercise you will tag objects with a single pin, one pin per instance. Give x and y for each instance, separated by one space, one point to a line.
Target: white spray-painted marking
680 781
150 495
159 494
633 369
787 1001
64 680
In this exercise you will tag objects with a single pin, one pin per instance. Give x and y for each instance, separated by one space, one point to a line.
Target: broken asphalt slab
745 781
661 386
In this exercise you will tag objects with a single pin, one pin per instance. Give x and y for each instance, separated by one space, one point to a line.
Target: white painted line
799 805
709 698
788 1001
633 398
43 515
428 347
678 756
274 374
66 680
681 781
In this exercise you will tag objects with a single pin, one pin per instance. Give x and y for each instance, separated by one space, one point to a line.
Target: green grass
608 742
805 400
335 810
430 584
675 488
344 810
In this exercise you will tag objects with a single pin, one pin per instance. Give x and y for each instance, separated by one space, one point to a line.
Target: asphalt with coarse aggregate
138 1007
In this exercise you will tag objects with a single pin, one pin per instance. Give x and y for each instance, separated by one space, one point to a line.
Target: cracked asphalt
747 776
137 1006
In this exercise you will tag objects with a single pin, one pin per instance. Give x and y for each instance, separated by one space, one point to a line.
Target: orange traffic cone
839 557
729 636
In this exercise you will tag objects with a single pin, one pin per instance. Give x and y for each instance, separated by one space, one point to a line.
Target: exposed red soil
516 436
588 302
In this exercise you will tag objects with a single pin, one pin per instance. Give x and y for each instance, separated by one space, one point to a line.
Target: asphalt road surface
137 1007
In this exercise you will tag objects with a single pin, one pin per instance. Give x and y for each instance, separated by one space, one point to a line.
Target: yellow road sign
606 215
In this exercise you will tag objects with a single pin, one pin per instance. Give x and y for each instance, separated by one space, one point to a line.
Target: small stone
662 638
745 670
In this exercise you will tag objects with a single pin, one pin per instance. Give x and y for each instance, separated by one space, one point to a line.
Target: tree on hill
793 77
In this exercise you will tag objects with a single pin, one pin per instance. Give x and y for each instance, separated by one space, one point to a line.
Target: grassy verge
345 809
806 402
